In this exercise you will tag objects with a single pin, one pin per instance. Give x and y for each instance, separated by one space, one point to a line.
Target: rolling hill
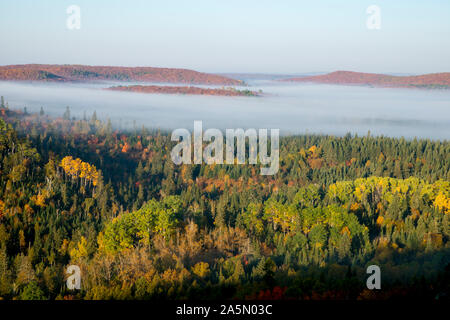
69 73
432 81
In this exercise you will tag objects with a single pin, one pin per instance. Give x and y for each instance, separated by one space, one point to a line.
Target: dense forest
78 191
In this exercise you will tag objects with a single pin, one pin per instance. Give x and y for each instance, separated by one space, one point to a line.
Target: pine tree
258 270
66 115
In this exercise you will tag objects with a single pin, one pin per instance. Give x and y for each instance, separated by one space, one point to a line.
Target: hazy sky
231 36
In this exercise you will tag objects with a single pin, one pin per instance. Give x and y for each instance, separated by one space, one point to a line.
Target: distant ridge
68 73
432 80
186 90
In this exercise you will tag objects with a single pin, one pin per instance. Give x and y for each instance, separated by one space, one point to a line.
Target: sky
288 37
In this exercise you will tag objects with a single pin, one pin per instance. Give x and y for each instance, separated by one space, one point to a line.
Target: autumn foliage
434 80
62 73
185 90
76 168
154 230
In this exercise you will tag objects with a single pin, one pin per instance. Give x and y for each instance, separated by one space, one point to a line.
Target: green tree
32 291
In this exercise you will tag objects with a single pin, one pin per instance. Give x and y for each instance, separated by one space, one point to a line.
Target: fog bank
293 108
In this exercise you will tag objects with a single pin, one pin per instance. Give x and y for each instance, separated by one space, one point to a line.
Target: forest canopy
112 202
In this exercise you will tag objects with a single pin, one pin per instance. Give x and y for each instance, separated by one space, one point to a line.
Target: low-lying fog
293 108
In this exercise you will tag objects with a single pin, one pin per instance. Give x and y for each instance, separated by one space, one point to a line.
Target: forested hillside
428 81
80 192
65 73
